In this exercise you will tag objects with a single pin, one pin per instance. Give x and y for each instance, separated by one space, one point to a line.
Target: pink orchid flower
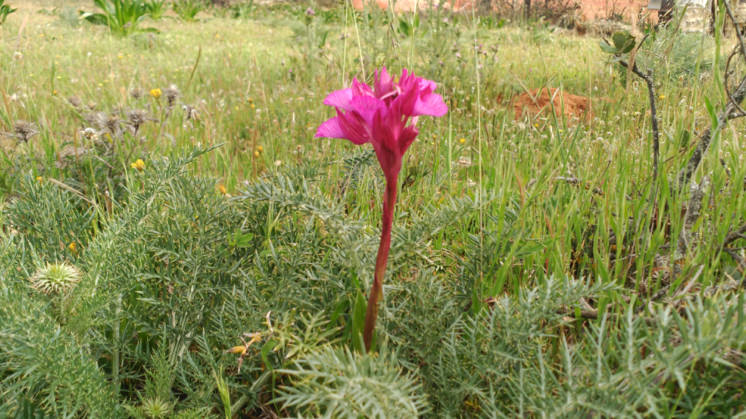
386 117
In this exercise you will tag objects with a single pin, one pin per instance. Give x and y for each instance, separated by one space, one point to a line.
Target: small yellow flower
138 165
120 55
252 106
156 93
259 148
54 92
256 154
73 247
661 97
221 189
39 179
462 140
239 350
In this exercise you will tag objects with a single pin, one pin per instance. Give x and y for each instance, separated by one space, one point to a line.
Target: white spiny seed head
55 278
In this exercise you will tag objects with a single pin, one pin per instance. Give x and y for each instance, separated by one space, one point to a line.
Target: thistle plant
55 278
386 117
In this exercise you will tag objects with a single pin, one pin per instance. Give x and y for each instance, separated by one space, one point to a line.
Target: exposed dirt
540 102
590 9
605 9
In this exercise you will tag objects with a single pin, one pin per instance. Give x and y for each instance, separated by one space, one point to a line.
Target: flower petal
430 104
366 106
384 83
406 138
354 126
340 99
330 129
360 89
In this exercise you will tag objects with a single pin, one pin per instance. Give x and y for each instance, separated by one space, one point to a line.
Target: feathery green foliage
333 383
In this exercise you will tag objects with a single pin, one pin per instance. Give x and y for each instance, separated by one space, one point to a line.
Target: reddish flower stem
387 220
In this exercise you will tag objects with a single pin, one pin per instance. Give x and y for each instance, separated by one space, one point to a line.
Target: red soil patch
604 9
539 102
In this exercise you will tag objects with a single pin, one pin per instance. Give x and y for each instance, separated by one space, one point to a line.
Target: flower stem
387 220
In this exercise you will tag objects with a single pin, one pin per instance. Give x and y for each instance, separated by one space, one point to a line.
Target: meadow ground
175 243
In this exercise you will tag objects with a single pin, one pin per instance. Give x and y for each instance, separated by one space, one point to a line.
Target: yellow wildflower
240 350
462 140
256 154
661 97
252 106
222 189
156 93
259 148
138 165
39 179
73 247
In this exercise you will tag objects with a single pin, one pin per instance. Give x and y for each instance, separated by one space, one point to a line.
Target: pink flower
385 115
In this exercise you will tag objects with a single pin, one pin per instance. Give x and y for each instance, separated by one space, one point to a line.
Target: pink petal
340 99
360 89
384 83
406 138
366 106
354 126
386 129
430 104
330 129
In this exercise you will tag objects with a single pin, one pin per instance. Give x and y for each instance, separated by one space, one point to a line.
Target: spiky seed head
96 119
24 130
112 125
89 133
137 93
75 102
172 93
55 278
155 408
136 117
190 112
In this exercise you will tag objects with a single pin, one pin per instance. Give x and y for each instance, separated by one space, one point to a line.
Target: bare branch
648 78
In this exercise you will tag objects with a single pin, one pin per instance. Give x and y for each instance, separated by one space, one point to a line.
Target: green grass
493 255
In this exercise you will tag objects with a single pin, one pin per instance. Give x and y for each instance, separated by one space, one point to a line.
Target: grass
494 259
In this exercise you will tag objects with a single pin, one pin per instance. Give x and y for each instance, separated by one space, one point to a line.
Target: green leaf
265 351
624 42
711 112
358 322
605 47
